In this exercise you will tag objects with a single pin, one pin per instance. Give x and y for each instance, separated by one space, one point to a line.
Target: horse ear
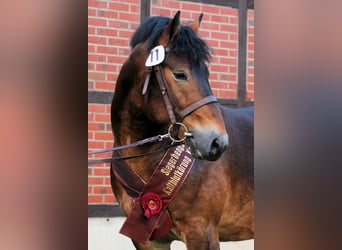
170 30
194 25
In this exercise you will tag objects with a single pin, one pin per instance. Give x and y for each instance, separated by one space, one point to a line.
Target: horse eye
180 76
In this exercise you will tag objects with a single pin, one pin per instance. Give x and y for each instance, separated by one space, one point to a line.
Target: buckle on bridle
174 128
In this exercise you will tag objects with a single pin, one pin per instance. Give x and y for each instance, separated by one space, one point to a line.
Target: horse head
186 75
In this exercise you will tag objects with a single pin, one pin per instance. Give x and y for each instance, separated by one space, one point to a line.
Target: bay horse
216 201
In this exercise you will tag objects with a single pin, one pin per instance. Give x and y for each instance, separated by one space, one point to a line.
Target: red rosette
151 203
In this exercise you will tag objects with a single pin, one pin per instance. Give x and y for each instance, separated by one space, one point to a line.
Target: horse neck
131 125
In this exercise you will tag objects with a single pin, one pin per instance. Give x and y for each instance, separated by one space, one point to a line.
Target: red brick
210 9
95 180
112 77
250 95
103 136
251 39
107 181
229 28
97 22
230 61
97 39
213 76
232 85
215 59
105 85
227 93
118 24
170 4
97 4
228 11
250 13
230 45
125 52
117 59
91 12
250 87
109 144
233 37
91 48
134 8
121 6
195 15
90 135
102 190
105 67
96 76
107 50
232 78
232 69
94 199
165 12
232 53
251 71
91 31
209 26
250 79
129 17
250 46
96 108
132 1
213 43
251 31
106 32
96 58
233 20
101 171
125 34
220 52
220 19
219 85
118 42
204 34
91 66
93 126
218 68
109 198
95 145
191 6
215 92
102 118
91 84
108 14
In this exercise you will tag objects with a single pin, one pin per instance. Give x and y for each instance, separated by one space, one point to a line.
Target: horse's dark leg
204 237
152 245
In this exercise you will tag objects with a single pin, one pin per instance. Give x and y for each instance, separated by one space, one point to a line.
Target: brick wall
110 26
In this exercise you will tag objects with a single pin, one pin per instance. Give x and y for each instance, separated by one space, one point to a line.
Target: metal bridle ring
186 133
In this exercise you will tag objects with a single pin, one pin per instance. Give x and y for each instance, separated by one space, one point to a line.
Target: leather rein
170 107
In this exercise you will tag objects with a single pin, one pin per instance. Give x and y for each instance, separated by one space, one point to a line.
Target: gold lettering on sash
178 171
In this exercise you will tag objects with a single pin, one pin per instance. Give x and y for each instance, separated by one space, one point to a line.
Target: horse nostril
215 146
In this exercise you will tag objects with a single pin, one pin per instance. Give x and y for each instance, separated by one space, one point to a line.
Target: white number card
156 56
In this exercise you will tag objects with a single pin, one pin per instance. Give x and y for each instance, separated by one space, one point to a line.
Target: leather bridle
170 105
176 117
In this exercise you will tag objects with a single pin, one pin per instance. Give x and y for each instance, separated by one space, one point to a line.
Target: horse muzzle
207 144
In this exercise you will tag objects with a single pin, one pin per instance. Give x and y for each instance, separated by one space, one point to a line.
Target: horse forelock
186 43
